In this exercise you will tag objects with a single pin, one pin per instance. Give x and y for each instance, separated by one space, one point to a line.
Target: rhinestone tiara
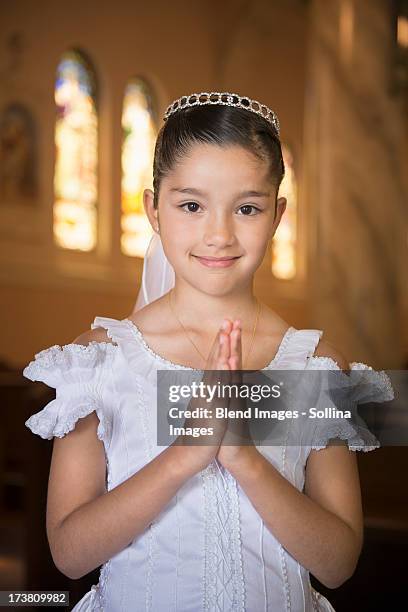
227 99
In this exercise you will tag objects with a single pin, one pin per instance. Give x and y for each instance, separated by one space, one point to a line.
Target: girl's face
217 202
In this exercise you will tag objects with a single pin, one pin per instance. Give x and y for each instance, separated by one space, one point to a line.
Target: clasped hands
229 453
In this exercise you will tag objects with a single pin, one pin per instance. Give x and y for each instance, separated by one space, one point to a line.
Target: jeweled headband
227 99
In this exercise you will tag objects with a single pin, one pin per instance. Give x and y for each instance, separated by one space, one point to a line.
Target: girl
205 527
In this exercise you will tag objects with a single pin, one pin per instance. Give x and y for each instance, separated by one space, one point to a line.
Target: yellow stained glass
138 140
76 141
284 240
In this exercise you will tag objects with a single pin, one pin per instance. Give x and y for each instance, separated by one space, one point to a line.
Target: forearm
318 539
99 529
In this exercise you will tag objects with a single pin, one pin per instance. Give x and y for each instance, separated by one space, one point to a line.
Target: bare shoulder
326 349
151 315
275 326
93 335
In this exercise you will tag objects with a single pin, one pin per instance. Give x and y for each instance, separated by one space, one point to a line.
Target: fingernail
224 324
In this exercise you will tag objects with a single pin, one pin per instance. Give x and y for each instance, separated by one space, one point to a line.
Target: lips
219 262
216 258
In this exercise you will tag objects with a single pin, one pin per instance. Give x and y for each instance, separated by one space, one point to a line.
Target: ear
151 212
280 209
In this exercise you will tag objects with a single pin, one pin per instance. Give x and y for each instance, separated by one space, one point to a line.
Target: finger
215 349
217 344
233 344
212 360
235 335
234 364
224 352
223 363
237 348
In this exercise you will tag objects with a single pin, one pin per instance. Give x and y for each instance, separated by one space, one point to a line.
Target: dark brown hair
219 125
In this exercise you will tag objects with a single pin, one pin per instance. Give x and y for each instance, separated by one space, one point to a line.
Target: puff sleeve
77 373
346 392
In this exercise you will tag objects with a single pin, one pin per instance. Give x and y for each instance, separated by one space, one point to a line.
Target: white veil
158 274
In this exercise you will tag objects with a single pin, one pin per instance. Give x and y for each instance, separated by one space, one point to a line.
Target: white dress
208 550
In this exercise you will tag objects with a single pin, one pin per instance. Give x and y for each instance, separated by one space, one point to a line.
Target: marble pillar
355 193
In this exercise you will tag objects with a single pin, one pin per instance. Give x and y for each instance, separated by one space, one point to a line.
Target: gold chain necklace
195 346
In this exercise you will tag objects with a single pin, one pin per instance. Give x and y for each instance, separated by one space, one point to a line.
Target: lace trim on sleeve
59 417
365 385
77 373
358 439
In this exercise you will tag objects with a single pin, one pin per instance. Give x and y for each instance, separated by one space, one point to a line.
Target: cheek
181 239
177 241
173 225
255 238
255 245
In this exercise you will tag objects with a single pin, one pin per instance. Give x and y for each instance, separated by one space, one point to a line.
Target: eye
189 204
250 206
245 206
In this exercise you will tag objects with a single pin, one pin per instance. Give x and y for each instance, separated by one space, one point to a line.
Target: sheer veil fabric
158 274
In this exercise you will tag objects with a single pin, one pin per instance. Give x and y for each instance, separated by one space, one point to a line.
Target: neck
202 311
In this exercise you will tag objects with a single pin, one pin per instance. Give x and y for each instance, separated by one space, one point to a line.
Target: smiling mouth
216 263
217 258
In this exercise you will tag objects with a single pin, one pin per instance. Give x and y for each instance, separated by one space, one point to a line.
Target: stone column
355 194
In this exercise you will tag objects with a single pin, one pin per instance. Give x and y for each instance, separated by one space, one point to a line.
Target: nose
219 232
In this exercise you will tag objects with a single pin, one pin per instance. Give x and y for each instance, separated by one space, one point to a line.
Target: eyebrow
244 194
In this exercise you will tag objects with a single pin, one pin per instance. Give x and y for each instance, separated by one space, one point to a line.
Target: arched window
76 141
284 240
139 133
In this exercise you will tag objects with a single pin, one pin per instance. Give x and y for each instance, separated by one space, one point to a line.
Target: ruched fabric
361 385
77 372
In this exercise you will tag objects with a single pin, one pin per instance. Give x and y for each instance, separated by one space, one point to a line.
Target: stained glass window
284 240
138 139
76 141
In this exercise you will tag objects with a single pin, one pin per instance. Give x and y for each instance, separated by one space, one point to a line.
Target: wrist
247 460
180 463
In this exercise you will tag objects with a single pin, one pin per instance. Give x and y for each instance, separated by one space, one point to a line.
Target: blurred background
83 88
